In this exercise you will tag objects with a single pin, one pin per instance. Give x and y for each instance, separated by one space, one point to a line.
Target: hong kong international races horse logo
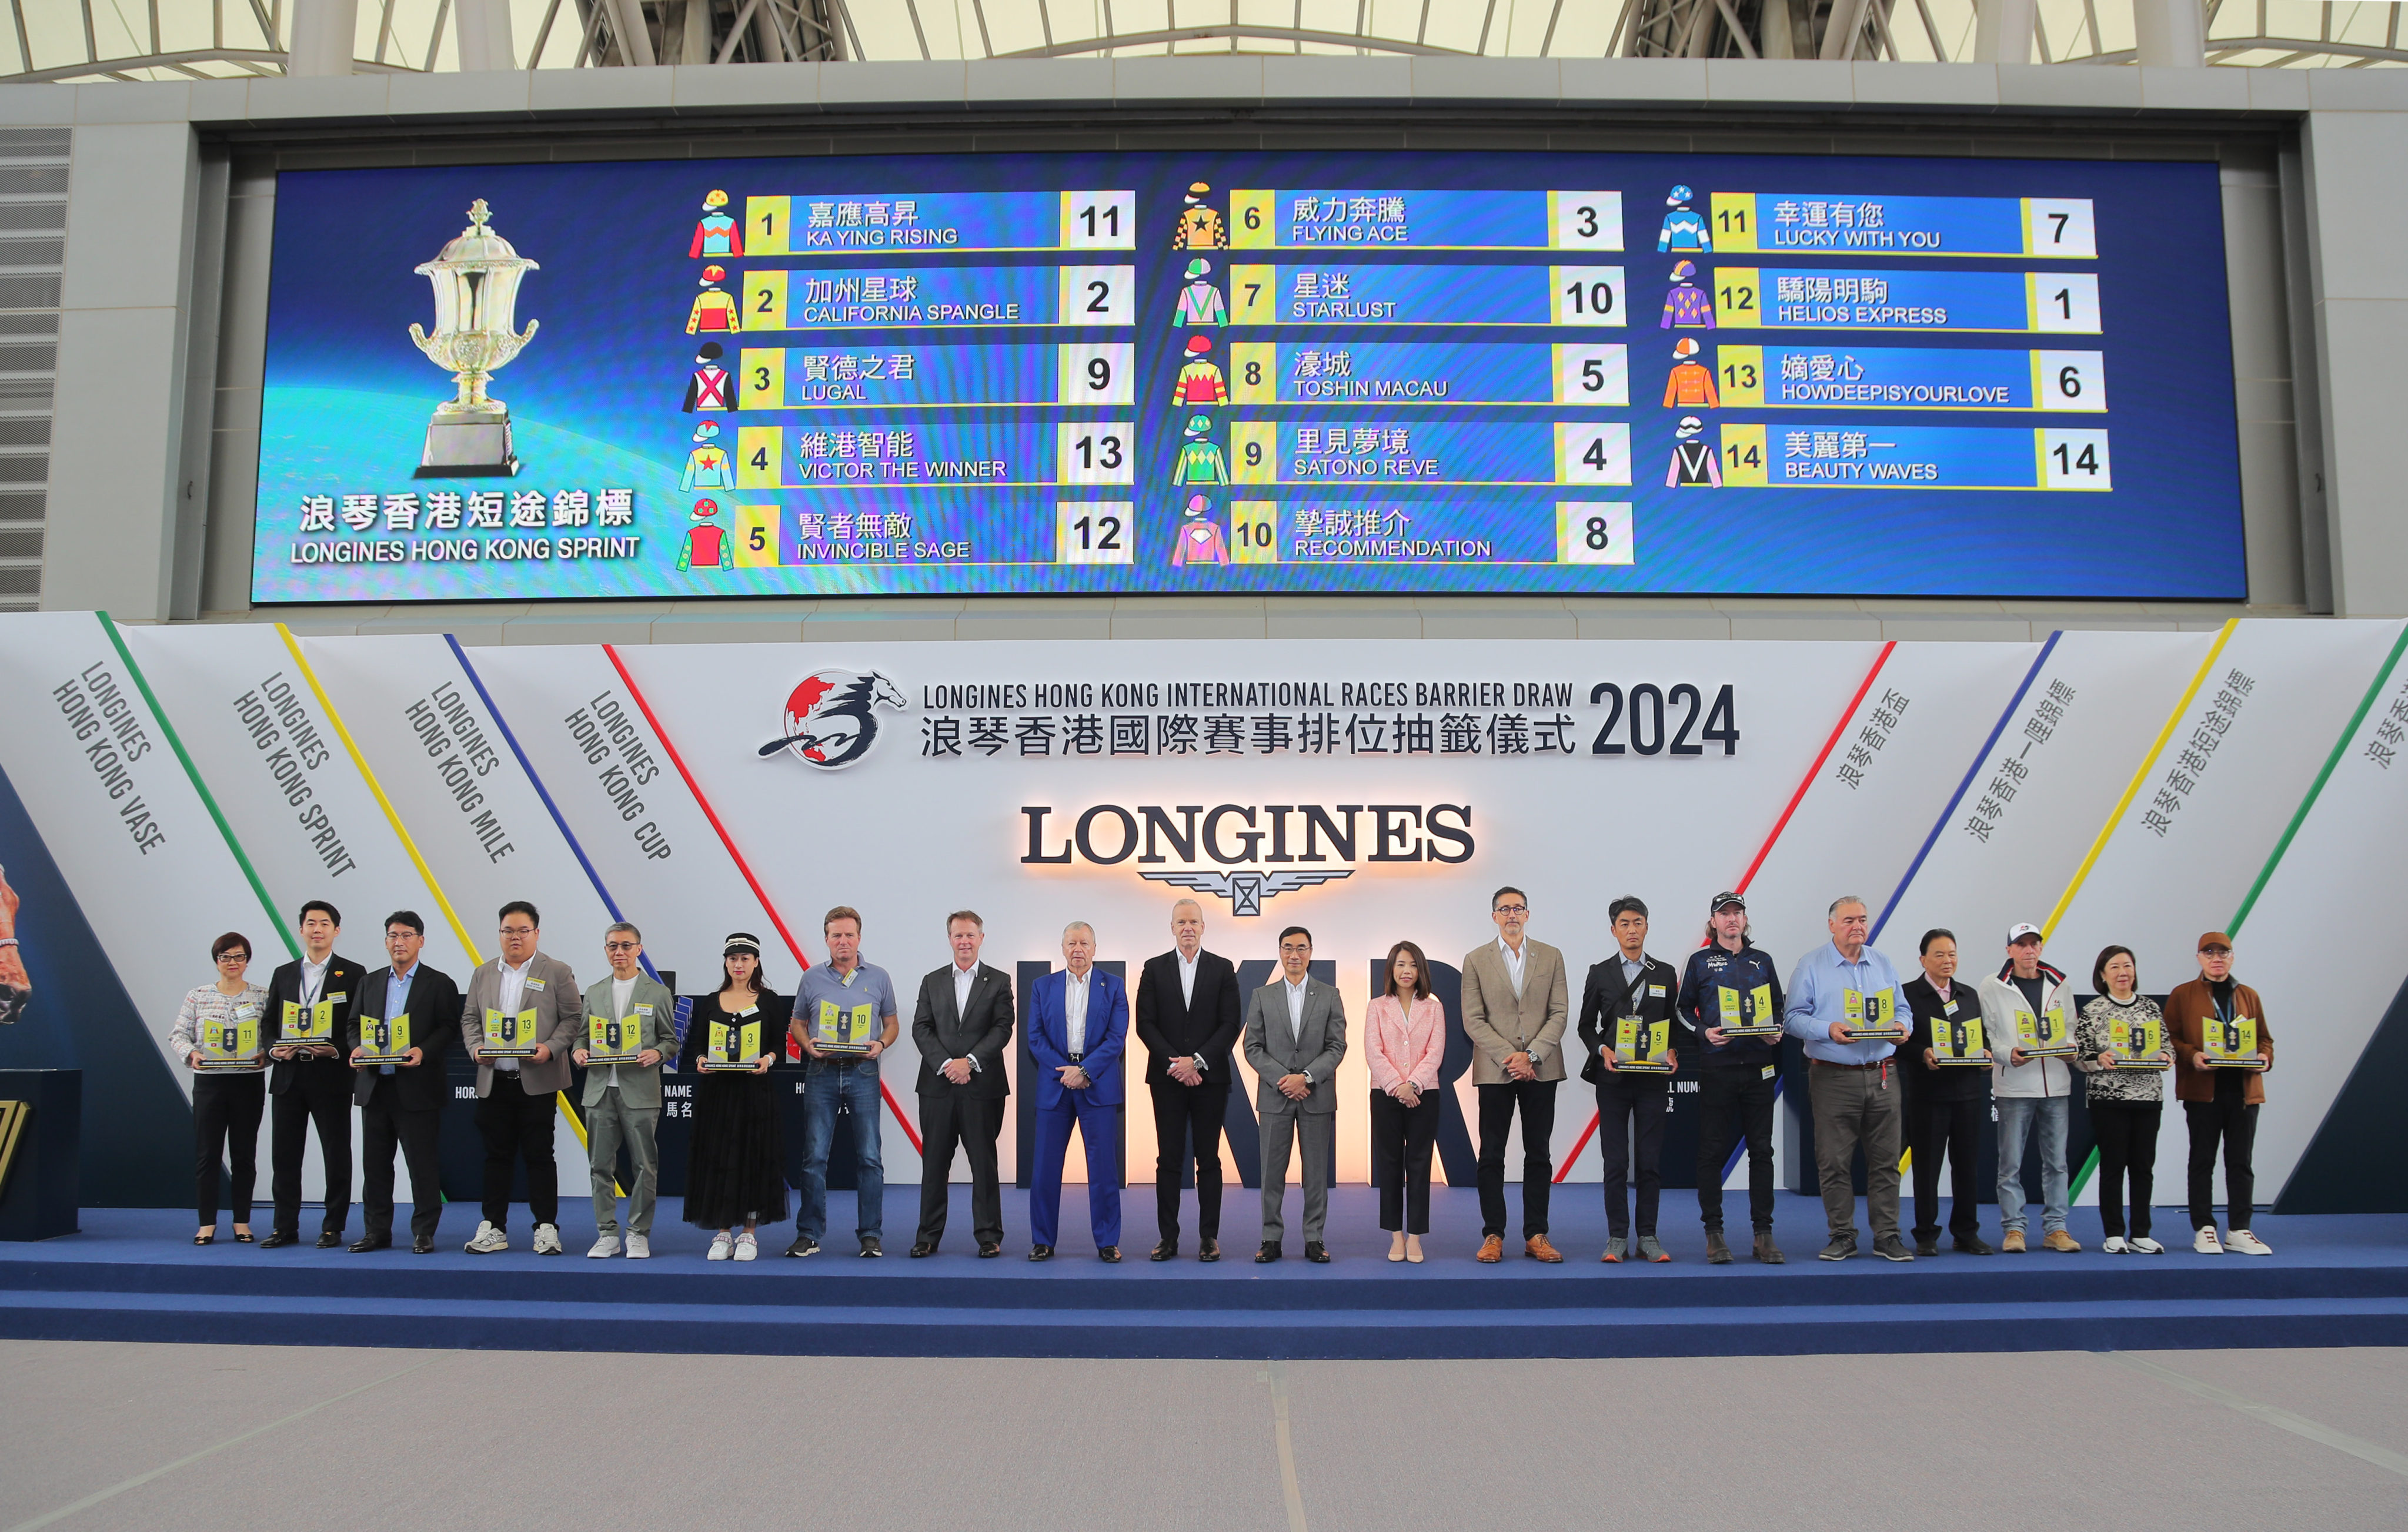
829 718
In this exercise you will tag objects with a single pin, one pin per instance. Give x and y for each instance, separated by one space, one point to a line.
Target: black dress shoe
922 1249
422 1244
1315 1253
1110 1255
1268 1254
1165 1250
329 1240
990 1248
278 1239
1926 1246
1040 1252
368 1241
1210 1251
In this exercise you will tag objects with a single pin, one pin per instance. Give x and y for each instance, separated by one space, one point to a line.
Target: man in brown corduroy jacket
2220 1101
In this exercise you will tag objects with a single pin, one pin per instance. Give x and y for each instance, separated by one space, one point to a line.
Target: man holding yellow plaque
519 1083
630 1026
2027 1007
844 1018
1842 1005
401 1027
2222 1049
1625 1022
309 1002
1946 1071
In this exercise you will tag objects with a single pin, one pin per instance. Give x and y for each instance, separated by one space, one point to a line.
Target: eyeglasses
618 946
518 930
1512 910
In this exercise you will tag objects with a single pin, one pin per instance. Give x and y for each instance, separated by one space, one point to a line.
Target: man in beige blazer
515 1095
1515 1002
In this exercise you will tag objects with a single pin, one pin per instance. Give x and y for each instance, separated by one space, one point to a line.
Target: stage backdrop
2130 787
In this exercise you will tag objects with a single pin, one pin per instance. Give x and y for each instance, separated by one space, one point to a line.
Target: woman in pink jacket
1405 1035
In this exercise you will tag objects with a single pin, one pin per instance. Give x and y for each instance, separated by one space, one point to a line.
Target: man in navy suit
1077 1027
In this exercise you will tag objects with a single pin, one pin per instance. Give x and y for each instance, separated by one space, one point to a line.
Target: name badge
1655 989
1768 1073
338 1000
1950 1010
534 983
643 1011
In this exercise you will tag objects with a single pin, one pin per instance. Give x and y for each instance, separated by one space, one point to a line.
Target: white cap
2027 930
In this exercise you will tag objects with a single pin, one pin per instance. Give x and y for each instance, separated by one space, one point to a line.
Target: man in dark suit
1078 1031
403 1103
961 1027
1296 1033
1629 983
1188 1014
307 1082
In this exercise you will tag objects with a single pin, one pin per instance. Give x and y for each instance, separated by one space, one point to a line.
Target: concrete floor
199 1438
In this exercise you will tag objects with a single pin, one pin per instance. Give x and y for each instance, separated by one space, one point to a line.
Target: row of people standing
1728 1002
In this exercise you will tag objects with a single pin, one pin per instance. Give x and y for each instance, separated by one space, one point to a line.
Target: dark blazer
434 1027
1957 1083
1606 997
343 978
1049 1037
940 1033
1173 1028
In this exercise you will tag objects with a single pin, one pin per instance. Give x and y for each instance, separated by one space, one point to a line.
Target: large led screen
1172 372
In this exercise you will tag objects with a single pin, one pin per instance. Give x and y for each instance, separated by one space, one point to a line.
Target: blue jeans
2016 1114
854 1082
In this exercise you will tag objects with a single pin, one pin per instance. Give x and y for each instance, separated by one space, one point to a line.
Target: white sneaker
747 1246
2146 1246
2246 1243
722 1245
639 1248
489 1240
547 1240
605 1247
2207 1243
2114 1244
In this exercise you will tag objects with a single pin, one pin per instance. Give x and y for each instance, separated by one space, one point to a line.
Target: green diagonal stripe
209 801
2349 732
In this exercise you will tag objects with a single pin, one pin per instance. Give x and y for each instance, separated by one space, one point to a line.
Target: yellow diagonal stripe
367 775
2148 764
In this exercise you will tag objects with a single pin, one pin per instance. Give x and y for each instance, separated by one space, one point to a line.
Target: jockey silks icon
829 721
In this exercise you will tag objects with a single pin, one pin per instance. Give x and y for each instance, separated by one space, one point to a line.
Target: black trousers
1631 1139
973 1121
1401 1139
384 1123
1953 1128
516 1124
2128 1145
1181 1114
1732 1101
2235 1122
225 1124
320 1093
1537 1100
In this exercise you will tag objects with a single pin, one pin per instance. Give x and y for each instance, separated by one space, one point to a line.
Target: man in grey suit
1296 1033
631 1017
532 999
1515 1002
961 1027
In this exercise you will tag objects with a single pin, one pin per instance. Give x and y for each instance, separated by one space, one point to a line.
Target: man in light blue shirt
1843 1005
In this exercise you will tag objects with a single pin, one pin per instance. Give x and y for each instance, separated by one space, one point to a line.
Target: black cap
1725 900
712 351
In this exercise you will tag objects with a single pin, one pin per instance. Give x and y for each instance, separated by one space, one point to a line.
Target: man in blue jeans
844 1019
2027 1018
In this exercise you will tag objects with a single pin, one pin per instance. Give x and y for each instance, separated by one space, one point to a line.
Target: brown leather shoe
1492 1250
2057 1240
2013 1242
1537 1249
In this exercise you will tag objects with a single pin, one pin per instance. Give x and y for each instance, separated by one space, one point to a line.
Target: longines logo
1258 851
830 719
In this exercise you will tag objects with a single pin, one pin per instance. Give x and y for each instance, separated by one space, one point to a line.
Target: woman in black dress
736 1165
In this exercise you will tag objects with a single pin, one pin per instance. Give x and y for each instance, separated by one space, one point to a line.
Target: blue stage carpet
134 1275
